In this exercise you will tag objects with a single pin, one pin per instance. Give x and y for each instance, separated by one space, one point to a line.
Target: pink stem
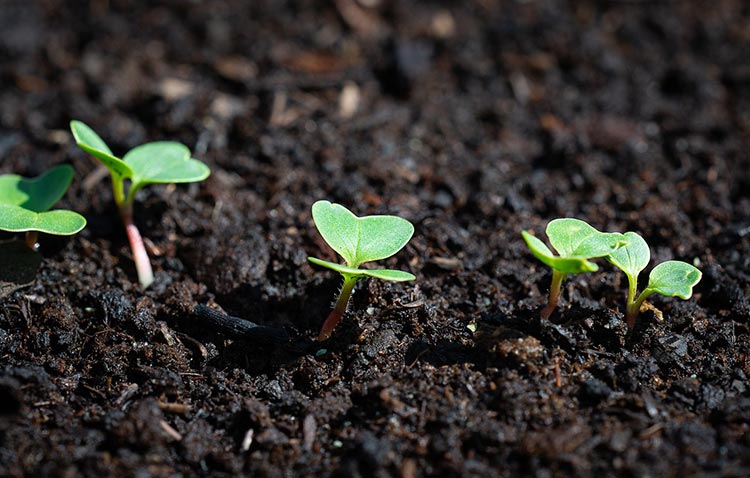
140 256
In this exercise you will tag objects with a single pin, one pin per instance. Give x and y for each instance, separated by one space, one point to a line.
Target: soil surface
473 120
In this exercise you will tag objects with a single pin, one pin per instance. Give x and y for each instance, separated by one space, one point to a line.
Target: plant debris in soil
473 120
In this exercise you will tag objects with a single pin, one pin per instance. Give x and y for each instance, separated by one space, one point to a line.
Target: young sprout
25 205
576 242
670 278
161 162
358 240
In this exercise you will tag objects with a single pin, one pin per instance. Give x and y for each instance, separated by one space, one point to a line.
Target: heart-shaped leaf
59 221
164 162
632 256
37 194
360 239
575 238
674 279
384 274
599 244
89 141
569 265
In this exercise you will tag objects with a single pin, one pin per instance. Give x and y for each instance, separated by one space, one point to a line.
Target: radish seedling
670 278
358 240
25 204
161 162
576 242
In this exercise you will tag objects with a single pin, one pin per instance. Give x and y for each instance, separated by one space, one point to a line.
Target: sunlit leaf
361 239
674 279
89 141
59 222
37 194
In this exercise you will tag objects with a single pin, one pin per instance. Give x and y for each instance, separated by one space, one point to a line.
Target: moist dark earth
474 120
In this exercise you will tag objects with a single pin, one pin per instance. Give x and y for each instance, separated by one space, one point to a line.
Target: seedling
576 242
358 240
670 278
161 162
25 205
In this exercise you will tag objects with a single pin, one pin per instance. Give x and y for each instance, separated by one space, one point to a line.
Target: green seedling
670 278
358 240
161 162
576 242
25 205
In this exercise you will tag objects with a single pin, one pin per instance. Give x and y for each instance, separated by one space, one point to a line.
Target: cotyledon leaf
566 234
338 226
633 256
674 279
381 237
360 239
89 141
569 265
164 162
36 194
59 221
384 274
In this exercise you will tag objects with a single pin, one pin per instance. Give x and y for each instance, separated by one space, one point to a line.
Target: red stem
337 313
631 316
31 240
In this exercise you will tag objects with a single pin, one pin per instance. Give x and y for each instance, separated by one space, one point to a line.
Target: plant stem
631 310
338 311
554 293
31 240
118 192
140 256
634 307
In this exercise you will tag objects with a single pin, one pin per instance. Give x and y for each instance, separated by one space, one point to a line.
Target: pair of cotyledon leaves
669 278
25 203
361 239
160 162
576 242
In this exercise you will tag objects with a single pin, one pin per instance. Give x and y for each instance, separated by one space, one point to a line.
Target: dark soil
473 120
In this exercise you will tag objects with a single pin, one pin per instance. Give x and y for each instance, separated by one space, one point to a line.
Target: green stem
338 311
554 293
134 188
118 191
634 307
631 310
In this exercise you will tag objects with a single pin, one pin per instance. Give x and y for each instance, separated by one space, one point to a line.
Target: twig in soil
309 427
240 328
125 396
651 431
170 431
201 348
96 392
247 441
178 408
